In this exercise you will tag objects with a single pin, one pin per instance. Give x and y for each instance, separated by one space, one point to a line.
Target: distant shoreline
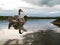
6 17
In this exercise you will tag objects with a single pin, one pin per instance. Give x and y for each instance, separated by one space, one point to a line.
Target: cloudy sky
31 7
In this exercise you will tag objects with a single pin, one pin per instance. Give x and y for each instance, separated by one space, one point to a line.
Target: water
34 24
27 37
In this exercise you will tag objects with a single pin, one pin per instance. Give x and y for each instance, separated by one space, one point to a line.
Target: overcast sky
45 7
11 4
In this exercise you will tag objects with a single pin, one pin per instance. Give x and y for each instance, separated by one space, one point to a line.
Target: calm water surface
34 24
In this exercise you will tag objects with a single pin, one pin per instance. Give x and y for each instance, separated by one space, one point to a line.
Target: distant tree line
26 17
4 17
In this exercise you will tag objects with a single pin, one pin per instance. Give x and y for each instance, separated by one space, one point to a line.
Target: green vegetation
42 17
6 17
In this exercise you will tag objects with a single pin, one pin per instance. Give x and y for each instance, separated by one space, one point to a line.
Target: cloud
13 4
44 2
43 11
